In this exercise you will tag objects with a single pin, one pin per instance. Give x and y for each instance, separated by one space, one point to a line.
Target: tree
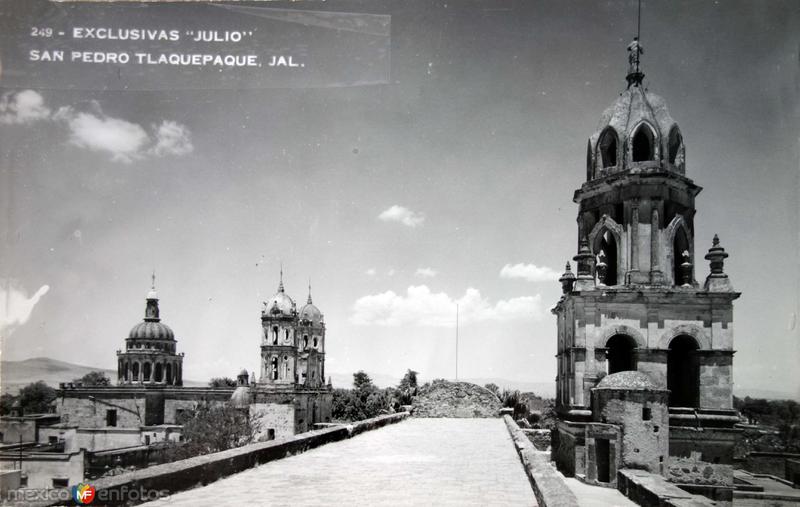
214 428
493 388
6 403
407 388
221 382
35 398
409 381
94 378
362 382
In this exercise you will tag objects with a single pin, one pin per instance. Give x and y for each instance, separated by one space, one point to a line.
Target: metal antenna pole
456 342
638 33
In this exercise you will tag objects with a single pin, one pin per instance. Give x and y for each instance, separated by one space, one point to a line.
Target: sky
449 184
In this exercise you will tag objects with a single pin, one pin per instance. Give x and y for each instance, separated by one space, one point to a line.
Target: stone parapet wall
548 485
443 398
539 438
185 474
651 490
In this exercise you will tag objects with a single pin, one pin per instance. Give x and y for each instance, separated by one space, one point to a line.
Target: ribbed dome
629 380
311 313
281 304
149 330
241 397
635 131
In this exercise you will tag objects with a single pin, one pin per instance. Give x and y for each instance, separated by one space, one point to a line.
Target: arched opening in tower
683 372
607 258
680 246
159 374
169 373
135 371
621 356
274 368
674 144
608 147
146 370
643 143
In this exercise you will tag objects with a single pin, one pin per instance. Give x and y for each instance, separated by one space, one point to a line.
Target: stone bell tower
634 303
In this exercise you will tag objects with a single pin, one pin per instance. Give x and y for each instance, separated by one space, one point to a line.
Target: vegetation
94 378
34 398
778 424
214 428
366 400
221 382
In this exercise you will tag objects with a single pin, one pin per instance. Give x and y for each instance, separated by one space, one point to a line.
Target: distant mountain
17 374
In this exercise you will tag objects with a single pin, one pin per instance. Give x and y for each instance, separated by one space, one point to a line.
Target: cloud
93 130
529 272
421 307
26 106
123 140
16 307
370 272
426 272
403 215
172 138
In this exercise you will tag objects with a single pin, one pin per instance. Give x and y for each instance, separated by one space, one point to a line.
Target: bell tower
634 303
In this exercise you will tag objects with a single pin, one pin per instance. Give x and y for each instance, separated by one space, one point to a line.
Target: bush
214 428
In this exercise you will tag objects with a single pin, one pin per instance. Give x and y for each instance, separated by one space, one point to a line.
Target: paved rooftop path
415 462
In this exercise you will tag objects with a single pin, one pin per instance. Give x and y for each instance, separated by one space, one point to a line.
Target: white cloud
26 106
172 138
91 129
529 272
370 272
16 307
402 215
426 272
421 307
391 272
123 140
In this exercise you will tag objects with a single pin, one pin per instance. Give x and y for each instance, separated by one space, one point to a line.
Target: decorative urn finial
567 280
686 269
717 280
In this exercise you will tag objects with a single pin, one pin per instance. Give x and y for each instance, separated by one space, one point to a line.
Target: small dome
629 380
281 304
151 331
311 313
636 128
241 397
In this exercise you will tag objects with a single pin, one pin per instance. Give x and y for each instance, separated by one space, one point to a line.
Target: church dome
149 330
628 380
311 313
241 397
280 304
635 133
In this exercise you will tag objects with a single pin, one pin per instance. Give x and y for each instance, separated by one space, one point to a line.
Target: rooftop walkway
459 462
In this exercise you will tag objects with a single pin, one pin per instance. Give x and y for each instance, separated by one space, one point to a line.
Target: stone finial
584 260
717 280
567 280
601 268
686 269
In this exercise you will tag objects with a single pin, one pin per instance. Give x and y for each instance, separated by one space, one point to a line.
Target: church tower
634 303
292 342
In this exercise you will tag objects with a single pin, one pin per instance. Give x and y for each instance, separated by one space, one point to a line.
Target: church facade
635 304
289 397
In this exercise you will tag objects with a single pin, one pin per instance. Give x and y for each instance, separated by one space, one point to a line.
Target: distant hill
17 374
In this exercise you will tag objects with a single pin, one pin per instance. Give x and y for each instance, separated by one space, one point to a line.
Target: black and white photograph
400 252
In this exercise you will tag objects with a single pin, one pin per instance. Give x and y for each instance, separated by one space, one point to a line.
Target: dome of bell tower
636 133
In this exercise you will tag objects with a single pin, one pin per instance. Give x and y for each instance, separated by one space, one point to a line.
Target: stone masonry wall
456 399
